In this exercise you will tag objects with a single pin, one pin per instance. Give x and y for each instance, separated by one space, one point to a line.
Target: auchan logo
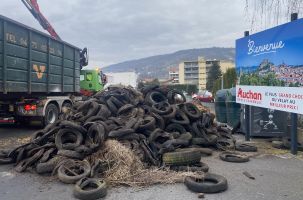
249 95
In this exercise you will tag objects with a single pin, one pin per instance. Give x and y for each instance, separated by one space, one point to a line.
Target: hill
158 66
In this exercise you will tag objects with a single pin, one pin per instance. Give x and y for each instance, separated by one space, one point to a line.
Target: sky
118 30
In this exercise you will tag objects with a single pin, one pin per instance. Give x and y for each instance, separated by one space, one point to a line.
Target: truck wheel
51 114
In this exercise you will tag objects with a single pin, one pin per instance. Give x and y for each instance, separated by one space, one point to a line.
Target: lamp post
222 81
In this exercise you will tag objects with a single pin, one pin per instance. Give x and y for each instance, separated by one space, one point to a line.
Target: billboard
269 65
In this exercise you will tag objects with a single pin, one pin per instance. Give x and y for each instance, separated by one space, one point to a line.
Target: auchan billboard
269 65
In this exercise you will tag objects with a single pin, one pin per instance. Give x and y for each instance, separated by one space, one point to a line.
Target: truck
39 75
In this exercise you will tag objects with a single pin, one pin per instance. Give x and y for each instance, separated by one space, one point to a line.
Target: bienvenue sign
269 65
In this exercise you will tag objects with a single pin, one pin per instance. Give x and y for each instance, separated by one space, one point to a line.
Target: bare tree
265 13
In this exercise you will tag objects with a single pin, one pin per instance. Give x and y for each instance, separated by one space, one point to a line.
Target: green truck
39 75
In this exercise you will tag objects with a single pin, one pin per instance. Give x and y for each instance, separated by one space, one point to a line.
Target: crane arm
33 7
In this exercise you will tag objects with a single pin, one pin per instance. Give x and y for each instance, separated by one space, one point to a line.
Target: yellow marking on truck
39 70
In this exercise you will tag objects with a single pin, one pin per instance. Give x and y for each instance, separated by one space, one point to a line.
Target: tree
213 74
217 86
230 78
264 13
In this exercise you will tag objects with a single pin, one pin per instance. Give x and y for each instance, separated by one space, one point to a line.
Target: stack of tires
157 123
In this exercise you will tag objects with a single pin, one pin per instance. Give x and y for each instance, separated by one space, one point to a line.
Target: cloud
119 30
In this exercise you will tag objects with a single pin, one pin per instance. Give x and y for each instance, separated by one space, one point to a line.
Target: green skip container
233 109
220 106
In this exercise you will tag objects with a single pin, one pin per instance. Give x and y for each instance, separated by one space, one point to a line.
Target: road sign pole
247 111
294 116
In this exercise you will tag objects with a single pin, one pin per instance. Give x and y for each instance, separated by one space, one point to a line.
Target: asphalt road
276 179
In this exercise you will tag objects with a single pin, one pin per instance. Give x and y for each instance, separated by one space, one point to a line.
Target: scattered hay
11 142
125 168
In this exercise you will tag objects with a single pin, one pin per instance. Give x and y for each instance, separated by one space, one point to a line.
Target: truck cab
91 81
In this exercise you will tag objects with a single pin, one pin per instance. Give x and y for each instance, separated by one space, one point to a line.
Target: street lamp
222 81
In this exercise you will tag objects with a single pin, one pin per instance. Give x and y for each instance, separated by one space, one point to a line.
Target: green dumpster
220 106
233 109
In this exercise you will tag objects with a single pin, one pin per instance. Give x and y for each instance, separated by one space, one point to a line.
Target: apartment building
174 75
196 72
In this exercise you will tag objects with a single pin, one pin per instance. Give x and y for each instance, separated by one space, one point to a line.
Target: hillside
157 66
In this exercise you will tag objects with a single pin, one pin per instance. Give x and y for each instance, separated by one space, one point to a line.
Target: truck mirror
83 57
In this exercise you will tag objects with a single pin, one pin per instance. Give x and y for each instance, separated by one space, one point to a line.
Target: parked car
204 97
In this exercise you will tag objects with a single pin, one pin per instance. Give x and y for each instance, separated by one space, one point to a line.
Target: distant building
173 75
196 72
123 78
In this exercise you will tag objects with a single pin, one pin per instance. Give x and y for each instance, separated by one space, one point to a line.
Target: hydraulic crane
97 80
33 7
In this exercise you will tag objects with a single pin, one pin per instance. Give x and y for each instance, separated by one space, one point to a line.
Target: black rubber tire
218 183
210 140
176 143
245 147
173 127
224 144
48 154
51 114
180 118
112 107
95 136
125 108
154 97
159 120
92 110
158 133
233 157
191 111
199 167
184 157
148 88
171 115
22 166
186 136
49 166
82 149
103 111
59 141
36 135
132 136
201 142
72 125
66 177
162 108
148 123
198 130
120 132
99 190
70 154
203 151
4 158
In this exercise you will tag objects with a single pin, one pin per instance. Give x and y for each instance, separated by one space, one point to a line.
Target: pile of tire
154 122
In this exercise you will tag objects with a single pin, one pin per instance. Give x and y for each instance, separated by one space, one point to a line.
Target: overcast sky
120 30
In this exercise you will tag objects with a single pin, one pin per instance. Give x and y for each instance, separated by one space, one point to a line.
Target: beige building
174 75
195 72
